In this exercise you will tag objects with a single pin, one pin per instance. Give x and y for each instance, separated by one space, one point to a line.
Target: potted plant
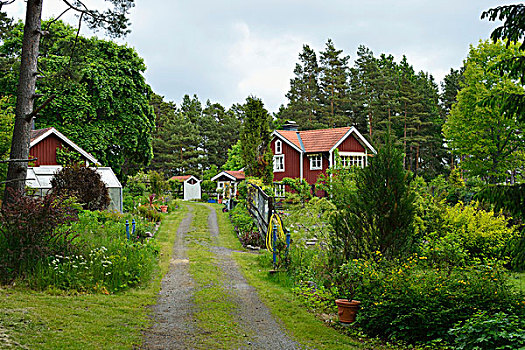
163 207
347 310
347 307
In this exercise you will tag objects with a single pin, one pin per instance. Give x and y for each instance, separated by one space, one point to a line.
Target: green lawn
44 320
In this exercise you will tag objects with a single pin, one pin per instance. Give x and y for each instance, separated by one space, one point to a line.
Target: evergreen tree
175 141
255 140
303 96
363 79
335 100
375 209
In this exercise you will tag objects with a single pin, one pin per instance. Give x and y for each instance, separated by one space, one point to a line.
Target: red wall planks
351 145
45 151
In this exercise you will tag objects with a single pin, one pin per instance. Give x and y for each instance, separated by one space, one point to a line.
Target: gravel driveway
174 326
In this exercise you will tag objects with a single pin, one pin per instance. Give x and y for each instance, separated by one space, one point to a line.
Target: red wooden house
45 142
309 153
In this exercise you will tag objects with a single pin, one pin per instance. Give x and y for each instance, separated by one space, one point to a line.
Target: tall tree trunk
17 171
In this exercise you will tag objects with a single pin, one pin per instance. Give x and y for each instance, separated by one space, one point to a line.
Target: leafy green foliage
84 184
244 226
101 95
467 233
67 157
513 30
406 300
486 331
32 229
487 137
301 187
235 160
7 120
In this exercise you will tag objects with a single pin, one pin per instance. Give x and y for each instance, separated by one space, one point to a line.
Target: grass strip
41 320
218 328
301 325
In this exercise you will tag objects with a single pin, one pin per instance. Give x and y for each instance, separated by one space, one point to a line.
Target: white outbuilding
191 187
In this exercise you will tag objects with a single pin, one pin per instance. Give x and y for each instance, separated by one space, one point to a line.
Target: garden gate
260 206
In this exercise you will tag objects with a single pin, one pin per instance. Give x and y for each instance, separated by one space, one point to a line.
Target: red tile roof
37 133
239 174
181 178
291 136
321 140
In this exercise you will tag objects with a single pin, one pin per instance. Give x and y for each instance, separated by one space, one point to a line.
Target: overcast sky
225 50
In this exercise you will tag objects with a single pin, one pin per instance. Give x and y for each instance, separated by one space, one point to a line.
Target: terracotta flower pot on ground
347 310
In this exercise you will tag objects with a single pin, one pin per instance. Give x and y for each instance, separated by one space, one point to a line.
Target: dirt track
174 325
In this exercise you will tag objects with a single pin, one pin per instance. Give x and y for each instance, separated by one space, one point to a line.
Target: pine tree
335 100
362 82
303 96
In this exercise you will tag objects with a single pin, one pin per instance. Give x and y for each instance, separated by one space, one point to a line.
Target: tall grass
104 260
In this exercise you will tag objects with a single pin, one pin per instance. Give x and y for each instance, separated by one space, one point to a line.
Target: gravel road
174 326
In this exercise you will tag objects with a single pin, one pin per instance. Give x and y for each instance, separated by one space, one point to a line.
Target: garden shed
39 180
191 187
227 182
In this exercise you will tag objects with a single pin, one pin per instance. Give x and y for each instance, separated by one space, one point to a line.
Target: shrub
244 226
149 213
407 300
83 183
486 331
469 232
32 229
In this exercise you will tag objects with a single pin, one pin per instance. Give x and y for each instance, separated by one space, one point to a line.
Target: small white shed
39 179
191 187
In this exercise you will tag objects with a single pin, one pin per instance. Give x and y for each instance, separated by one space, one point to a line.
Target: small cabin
227 183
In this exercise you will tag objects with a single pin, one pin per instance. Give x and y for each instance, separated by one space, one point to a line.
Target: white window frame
278 147
349 159
278 163
316 162
279 190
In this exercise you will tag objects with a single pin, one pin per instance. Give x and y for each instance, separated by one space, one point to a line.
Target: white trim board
67 141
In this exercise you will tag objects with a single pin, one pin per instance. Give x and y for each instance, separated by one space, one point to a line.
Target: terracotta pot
164 208
347 310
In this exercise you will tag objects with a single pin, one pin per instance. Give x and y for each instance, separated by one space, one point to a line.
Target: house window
316 162
278 147
278 163
354 160
279 190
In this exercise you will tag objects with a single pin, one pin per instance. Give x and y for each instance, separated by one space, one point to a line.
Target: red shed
45 142
307 154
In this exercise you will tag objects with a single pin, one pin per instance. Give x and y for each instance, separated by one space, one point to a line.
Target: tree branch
56 19
18 160
42 106
6 2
